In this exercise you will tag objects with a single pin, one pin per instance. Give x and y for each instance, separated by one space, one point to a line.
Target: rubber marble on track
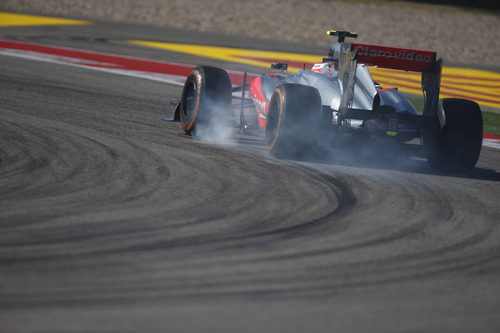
114 221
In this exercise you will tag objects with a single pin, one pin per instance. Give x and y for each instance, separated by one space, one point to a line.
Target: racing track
114 221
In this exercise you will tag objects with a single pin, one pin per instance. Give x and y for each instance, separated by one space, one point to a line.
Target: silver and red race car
337 102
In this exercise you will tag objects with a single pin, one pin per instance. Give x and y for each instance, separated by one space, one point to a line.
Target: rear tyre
206 98
293 125
456 147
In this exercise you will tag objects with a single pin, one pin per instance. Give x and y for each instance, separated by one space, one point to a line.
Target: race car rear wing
387 57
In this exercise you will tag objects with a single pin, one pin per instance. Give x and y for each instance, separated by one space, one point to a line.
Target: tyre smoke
216 124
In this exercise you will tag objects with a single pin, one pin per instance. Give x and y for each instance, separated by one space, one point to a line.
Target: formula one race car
338 101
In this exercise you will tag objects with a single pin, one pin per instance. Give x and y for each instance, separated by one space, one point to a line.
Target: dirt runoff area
458 35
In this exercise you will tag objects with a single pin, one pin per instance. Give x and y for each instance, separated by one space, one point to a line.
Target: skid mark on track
111 216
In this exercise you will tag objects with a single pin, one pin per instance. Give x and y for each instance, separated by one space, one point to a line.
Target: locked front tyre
206 99
293 125
455 148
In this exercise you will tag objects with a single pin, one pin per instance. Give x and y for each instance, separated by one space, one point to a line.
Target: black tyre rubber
206 96
293 125
456 147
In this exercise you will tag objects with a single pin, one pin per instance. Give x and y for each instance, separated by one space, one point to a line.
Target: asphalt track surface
112 220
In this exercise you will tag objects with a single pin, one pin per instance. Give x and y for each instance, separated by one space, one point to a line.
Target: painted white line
88 64
492 143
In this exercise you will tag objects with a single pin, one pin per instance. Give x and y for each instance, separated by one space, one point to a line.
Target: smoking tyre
293 121
206 94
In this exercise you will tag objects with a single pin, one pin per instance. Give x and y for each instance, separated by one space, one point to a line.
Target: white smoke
218 127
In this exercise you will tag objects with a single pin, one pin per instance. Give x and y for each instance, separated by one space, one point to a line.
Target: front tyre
206 98
293 121
456 147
